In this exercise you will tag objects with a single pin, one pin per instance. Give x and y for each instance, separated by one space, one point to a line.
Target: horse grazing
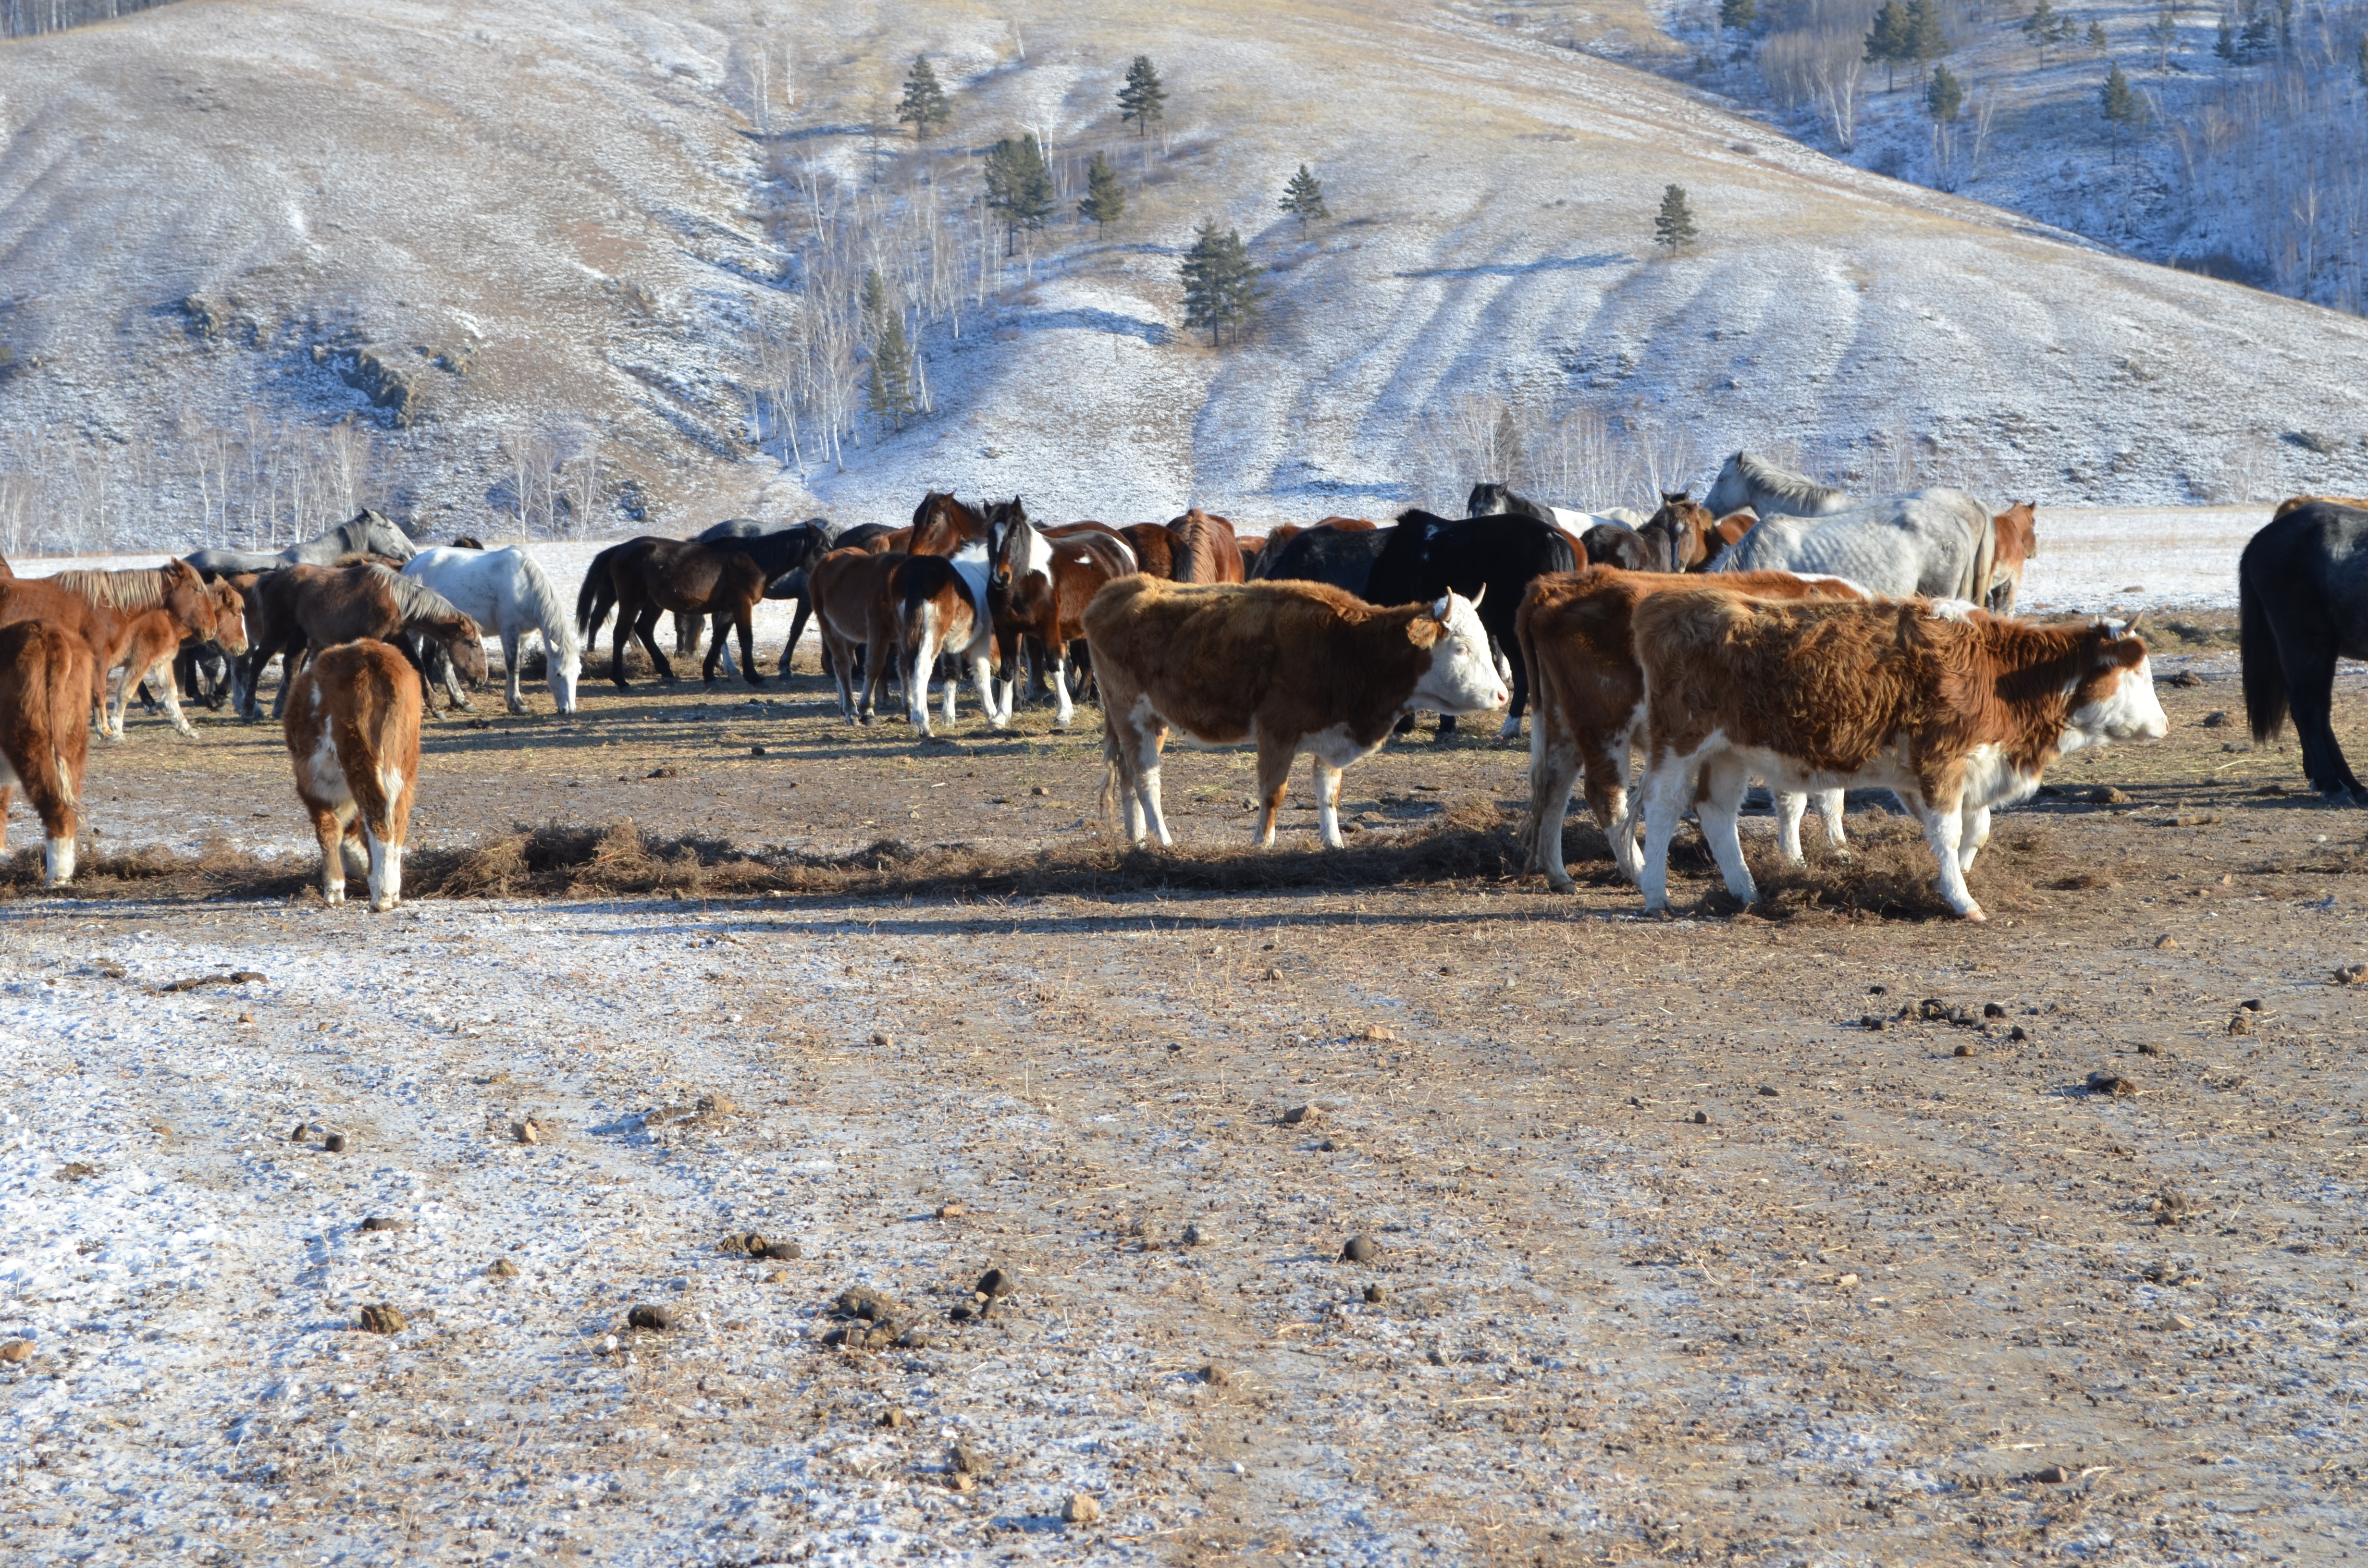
47 684
1746 481
1204 548
365 533
2301 603
849 591
645 577
300 607
353 737
505 590
1491 561
1038 587
1939 544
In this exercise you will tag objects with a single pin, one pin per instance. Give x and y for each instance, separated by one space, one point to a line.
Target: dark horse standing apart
645 577
1491 561
2302 598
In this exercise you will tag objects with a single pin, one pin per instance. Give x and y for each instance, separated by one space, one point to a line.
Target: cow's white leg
1065 711
1829 811
57 862
1668 790
1147 769
385 871
1943 826
1789 808
1973 835
1720 809
1327 803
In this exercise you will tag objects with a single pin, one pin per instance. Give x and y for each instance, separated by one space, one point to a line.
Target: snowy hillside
535 252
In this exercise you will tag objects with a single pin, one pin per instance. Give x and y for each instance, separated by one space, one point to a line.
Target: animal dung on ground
648 1315
1932 1009
1081 1509
894 1417
1300 1114
1358 1248
1700 1119
236 977
1216 1375
1197 1235
386 1223
1768 1091
297 1133
2240 1023
502 1268
882 1039
662 773
1993 1010
17 1351
335 1142
2215 720
2187 678
1376 1032
2172 1205
2112 1083
2053 1475
2252 1005
2351 974
384 1317
1872 1021
2106 795
526 1132
1964 1048
995 1284
2017 1033
951 1209
2149 1047
871 1321
970 1461
757 751
1375 1295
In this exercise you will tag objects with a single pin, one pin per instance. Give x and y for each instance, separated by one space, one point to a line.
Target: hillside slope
554 221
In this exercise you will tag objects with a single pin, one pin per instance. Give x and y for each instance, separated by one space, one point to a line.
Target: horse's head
1488 500
1685 526
229 617
466 644
373 535
186 597
943 525
1008 540
1730 492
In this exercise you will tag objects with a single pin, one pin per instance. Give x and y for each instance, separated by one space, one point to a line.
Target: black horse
800 546
1342 557
1492 561
2301 603
1498 501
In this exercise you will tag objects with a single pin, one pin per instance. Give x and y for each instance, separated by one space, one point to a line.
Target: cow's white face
1462 679
2121 704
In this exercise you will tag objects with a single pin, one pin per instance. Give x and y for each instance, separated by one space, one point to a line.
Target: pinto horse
1038 587
47 686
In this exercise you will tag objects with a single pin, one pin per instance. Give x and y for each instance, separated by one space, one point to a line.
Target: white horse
1940 543
1746 481
505 590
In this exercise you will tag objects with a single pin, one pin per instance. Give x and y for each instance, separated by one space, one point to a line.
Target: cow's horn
2132 628
1478 597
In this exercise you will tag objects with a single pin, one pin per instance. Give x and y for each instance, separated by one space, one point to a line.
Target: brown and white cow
1578 636
1951 708
1293 666
47 679
352 724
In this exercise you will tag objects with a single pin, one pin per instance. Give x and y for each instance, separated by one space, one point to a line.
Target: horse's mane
1795 487
550 610
134 589
414 600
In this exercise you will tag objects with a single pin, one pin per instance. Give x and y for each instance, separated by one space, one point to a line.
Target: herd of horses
986 592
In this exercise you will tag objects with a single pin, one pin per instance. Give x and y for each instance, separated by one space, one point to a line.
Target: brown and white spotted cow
1951 708
1578 635
352 724
1293 666
47 679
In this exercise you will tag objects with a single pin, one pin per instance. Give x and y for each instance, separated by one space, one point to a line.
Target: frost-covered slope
560 201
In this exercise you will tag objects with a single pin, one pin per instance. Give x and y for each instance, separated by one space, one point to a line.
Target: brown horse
1154 546
853 612
1685 528
298 608
113 634
1039 587
1205 548
46 688
646 577
942 526
162 606
2017 541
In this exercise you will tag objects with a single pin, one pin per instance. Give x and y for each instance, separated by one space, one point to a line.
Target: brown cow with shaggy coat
46 678
1951 708
1293 666
352 725
1578 636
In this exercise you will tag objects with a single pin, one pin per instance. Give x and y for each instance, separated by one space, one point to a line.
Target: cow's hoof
1974 913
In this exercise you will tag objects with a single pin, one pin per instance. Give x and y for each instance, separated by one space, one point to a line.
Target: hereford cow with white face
1951 708
1294 666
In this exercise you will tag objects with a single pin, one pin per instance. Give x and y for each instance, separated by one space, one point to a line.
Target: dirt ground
1689 1247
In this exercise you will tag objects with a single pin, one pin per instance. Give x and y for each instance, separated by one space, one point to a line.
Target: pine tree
1737 16
1945 97
1889 41
891 394
1304 198
2121 107
2041 24
1673 226
925 107
1104 202
2164 35
1926 39
1019 186
1143 99
2224 44
2362 60
2097 40
1222 287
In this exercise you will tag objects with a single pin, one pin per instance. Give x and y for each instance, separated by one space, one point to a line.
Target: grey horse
365 533
1772 492
1940 543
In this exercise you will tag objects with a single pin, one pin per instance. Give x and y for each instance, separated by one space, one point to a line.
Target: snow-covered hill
538 225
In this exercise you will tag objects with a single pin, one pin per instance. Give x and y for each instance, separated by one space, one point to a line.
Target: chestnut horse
1205 549
1154 546
176 601
47 685
848 589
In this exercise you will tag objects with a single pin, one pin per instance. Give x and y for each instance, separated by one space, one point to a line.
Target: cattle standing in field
1938 543
1771 492
300 607
2301 603
1577 635
1293 666
1426 556
1951 708
1204 548
365 533
352 725
47 685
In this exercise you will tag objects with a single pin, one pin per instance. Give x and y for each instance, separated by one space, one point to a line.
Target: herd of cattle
1777 632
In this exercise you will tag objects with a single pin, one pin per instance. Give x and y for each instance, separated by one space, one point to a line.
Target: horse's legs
511 638
163 666
624 634
797 629
981 671
717 636
645 627
686 632
2310 698
292 660
745 624
1067 713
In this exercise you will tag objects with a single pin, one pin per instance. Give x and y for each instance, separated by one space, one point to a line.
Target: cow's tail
595 597
2265 676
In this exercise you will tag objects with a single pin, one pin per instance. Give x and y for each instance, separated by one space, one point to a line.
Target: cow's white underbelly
9 780
1990 781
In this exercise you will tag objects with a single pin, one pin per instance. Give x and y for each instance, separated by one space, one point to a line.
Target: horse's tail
597 597
1560 556
2265 676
